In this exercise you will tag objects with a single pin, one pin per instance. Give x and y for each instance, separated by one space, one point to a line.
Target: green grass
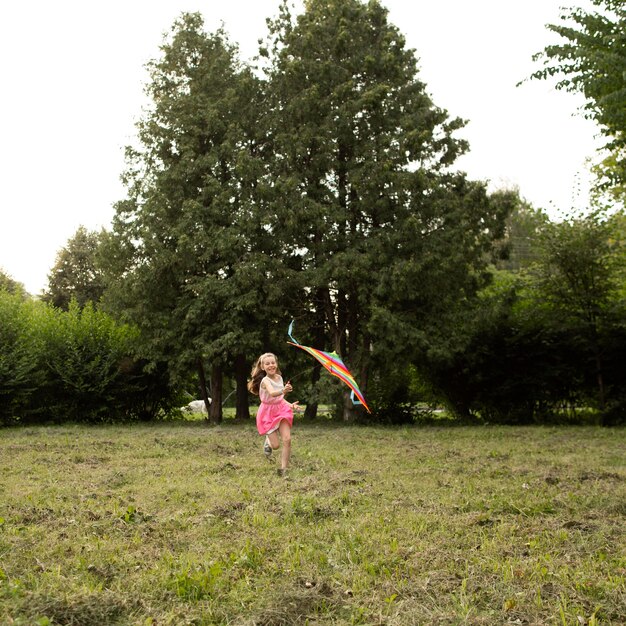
186 524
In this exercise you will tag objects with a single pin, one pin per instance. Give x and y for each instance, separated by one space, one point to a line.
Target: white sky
73 76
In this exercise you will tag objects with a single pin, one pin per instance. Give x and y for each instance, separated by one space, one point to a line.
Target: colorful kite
333 363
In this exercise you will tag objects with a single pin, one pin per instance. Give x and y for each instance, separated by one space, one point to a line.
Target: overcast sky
73 75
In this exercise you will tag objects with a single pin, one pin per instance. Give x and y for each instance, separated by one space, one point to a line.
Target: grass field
179 523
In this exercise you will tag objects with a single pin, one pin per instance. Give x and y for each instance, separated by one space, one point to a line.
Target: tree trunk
598 363
329 313
600 379
202 386
215 413
242 410
310 413
350 411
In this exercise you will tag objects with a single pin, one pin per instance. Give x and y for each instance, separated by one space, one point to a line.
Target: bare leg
285 435
274 440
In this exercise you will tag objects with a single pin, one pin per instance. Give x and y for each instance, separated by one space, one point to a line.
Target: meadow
180 523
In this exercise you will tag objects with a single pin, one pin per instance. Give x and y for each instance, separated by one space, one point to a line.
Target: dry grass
184 524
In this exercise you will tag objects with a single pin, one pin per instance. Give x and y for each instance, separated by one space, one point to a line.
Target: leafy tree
543 342
617 225
520 246
521 361
592 61
383 237
578 276
76 274
180 264
9 284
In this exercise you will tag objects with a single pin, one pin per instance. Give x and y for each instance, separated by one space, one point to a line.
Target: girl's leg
274 440
285 435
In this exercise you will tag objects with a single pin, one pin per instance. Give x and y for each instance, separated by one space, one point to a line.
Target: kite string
303 372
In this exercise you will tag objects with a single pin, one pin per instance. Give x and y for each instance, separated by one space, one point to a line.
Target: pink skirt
269 416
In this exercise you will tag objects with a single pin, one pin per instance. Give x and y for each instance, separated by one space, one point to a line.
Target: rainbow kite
333 363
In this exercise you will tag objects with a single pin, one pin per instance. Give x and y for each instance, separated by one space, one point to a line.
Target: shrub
80 365
83 350
19 374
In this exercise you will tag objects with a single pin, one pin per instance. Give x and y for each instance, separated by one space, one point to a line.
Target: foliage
7 283
360 163
520 246
542 342
84 349
516 367
177 524
76 274
181 266
578 277
20 353
394 394
77 365
578 273
592 61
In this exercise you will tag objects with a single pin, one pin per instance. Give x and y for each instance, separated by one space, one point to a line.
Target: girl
275 414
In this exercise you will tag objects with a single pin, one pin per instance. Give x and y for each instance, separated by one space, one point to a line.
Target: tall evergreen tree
387 237
177 240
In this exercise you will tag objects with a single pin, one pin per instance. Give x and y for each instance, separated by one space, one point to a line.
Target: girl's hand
296 407
287 388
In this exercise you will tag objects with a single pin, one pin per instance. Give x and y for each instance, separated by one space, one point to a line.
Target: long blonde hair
258 373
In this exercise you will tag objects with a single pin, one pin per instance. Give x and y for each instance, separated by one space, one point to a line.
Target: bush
78 365
525 361
393 395
19 350
144 391
84 349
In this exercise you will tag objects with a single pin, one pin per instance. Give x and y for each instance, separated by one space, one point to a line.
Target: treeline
319 184
544 341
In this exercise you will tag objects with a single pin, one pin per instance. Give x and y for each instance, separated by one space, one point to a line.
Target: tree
578 276
384 238
513 366
520 246
180 264
9 284
592 61
76 274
